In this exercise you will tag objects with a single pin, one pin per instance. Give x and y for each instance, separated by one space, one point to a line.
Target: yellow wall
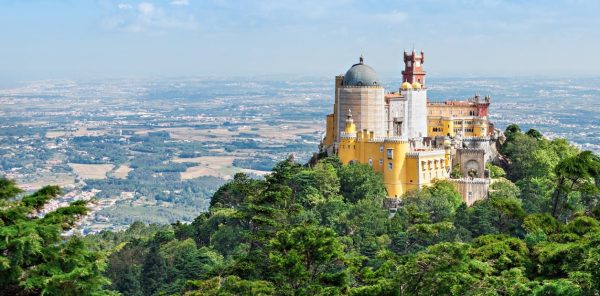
406 172
479 130
444 126
448 127
394 178
401 172
434 126
442 116
347 150
412 174
454 109
440 126
431 167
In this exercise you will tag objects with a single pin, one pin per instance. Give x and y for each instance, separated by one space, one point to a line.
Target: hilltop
323 230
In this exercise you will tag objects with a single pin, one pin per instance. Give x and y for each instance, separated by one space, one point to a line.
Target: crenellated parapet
471 151
344 135
417 154
477 139
402 140
471 181
472 189
376 140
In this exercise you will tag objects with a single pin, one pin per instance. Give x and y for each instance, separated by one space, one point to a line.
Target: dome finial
361 59
361 74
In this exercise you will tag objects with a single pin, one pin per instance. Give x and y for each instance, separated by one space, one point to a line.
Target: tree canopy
34 256
322 229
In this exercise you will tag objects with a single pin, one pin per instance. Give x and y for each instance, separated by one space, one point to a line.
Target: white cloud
124 6
147 17
146 8
180 2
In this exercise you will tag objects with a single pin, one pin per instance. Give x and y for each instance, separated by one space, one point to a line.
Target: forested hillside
322 230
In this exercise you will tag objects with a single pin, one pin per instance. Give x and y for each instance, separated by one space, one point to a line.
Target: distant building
411 140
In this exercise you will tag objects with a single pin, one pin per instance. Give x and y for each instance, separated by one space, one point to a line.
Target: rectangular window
390 153
381 162
381 148
389 165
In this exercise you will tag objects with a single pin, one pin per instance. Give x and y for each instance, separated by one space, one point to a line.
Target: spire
350 127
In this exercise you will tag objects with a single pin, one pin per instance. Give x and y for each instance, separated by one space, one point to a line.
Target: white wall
416 111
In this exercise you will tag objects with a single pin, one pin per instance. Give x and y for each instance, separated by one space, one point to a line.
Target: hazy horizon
218 38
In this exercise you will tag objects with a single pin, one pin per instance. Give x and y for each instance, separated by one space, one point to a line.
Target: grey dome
361 75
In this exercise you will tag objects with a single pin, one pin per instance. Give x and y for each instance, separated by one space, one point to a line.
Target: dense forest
322 230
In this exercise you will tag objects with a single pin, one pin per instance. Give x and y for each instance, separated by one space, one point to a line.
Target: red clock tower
413 68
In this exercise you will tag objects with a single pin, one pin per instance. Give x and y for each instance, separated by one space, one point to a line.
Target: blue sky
43 39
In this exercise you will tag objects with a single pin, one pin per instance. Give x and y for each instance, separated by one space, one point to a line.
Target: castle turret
394 170
413 68
347 145
361 91
350 126
413 89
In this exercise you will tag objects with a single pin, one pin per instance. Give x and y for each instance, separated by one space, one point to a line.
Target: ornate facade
408 138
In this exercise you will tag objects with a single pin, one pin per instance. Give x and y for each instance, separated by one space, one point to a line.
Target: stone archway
472 162
472 168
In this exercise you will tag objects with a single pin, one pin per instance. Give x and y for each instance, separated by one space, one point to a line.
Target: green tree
501 252
306 259
125 267
534 134
34 257
323 230
364 223
495 171
229 286
233 194
315 186
442 269
358 181
153 276
511 131
432 204
574 173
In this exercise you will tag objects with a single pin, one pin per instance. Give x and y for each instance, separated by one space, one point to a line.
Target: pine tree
34 257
